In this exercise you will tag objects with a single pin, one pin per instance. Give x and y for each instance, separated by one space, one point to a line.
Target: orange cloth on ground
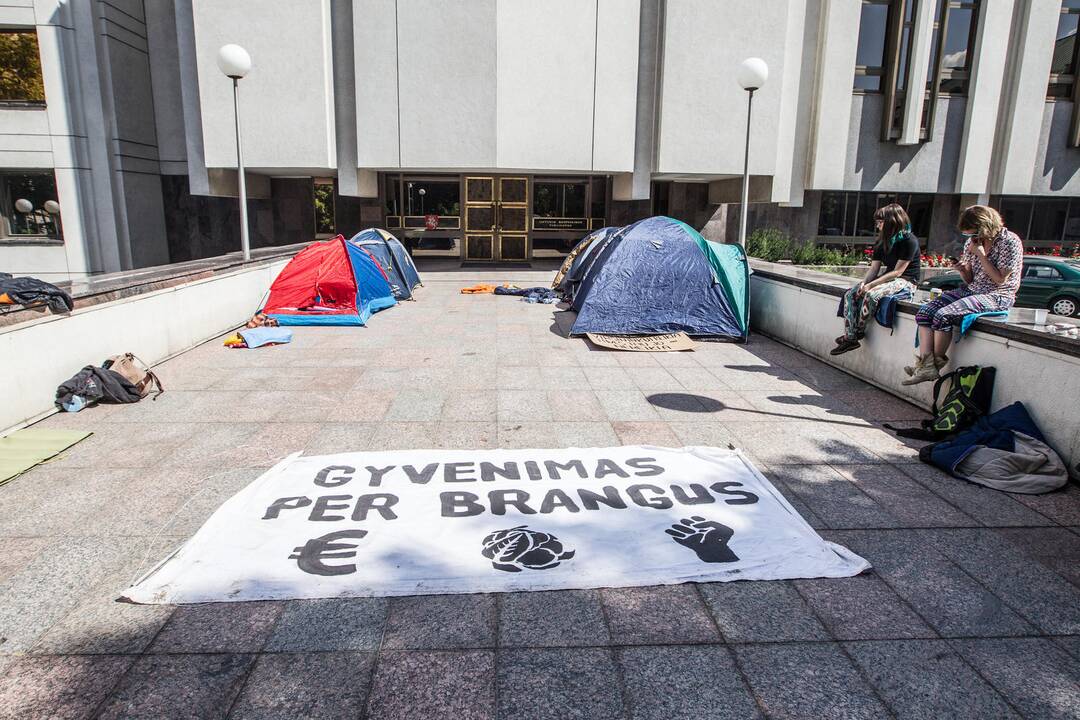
235 340
5 299
478 289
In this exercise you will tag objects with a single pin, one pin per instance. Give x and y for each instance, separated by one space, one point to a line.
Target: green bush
775 245
769 244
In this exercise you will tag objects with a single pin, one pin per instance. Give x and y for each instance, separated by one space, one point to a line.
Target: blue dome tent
659 276
393 257
573 268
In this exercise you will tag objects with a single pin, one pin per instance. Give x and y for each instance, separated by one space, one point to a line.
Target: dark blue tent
569 277
393 257
660 276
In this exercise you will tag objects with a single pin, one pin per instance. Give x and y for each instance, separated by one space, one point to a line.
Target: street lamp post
235 62
753 72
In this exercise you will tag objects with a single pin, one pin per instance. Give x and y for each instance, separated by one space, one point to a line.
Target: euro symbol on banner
311 556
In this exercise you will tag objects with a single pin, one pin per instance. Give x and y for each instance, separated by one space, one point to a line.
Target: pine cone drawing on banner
520 548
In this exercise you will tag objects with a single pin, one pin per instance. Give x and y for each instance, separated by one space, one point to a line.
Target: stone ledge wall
41 354
1045 376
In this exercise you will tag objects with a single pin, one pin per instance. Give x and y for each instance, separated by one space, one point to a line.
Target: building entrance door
497 218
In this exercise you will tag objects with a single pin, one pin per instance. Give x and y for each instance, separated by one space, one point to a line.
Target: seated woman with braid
990 268
894 267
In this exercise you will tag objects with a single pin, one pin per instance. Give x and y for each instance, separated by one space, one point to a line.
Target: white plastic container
1027 316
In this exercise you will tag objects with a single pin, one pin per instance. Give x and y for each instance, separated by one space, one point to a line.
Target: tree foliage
20 67
324 209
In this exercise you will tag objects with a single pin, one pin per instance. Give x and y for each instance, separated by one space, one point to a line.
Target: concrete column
1030 53
793 126
74 188
103 254
344 71
920 65
838 40
622 187
648 86
198 177
984 96
367 184
376 66
614 122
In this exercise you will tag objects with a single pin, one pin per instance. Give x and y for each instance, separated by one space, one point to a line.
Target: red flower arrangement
936 261
1055 251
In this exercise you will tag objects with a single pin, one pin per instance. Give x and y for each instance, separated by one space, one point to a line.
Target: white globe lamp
52 207
24 206
234 61
752 74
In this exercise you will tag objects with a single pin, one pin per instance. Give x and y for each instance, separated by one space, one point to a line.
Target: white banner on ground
420 522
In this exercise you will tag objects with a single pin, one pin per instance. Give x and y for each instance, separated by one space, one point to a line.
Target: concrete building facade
506 129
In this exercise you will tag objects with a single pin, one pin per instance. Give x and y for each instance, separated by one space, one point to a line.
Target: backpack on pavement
136 372
968 399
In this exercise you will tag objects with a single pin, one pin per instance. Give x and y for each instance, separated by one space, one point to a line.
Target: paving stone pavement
972 609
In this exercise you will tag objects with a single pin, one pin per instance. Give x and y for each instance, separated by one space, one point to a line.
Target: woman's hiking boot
846 346
925 370
939 362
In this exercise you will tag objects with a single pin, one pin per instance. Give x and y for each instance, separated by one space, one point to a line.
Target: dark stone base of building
200 226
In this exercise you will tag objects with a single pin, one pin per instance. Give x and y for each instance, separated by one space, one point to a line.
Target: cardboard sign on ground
672 342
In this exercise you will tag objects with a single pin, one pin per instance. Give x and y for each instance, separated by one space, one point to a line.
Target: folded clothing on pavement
480 289
31 291
1005 451
259 336
533 294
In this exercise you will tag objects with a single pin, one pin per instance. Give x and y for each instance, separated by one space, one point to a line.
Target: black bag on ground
95 384
968 399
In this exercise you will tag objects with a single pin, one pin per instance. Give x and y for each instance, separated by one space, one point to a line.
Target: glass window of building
424 212
897 57
1042 222
25 203
392 196
849 216
1016 212
870 54
1048 219
598 201
564 209
559 199
20 68
954 39
432 197
1064 61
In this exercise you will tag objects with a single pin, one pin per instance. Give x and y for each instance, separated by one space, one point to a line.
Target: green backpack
967 400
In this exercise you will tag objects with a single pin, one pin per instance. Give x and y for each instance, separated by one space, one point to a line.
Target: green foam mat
23 449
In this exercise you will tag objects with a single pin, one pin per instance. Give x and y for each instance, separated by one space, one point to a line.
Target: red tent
318 282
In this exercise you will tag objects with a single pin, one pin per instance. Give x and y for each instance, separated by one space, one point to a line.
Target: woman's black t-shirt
905 247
